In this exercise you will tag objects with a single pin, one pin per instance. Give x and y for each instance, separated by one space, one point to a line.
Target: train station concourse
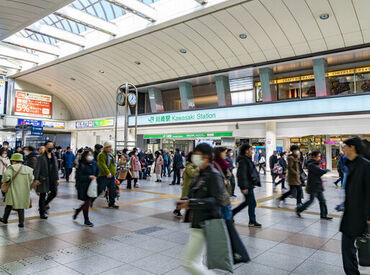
185 137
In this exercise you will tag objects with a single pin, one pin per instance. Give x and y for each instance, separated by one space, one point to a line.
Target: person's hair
177 150
294 148
49 141
366 149
134 150
125 150
205 149
84 155
282 154
157 154
357 143
244 148
188 157
97 147
2 150
5 142
30 148
217 151
229 150
68 147
315 153
80 150
18 147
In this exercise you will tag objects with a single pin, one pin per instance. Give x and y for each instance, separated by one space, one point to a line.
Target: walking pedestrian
262 162
135 167
356 218
293 176
86 172
340 168
177 165
248 178
158 166
283 165
272 161
229 159
4 161
46 178
68 160
18 195
315 186
166 163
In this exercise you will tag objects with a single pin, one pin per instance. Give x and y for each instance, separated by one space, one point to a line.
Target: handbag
5 186
240 253
227 190
363 248
219 252
122 174
92 191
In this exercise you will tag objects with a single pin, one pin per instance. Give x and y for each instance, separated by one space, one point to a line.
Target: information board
45 124
32 104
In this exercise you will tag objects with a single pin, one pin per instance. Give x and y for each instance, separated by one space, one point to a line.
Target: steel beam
18 54
138 8
33 45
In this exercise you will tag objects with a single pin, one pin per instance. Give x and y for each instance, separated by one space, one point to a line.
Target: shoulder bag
5 186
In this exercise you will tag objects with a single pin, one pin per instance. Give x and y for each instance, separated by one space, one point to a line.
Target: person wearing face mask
9 150
4 162
86 172
30 157
293 176
46 178
135 167
205 201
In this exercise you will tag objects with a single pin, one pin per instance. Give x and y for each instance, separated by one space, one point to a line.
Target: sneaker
75 214
113 206
255 224
21 225
43 217
89 223
326 218
3 221
298 213
177 213
277 202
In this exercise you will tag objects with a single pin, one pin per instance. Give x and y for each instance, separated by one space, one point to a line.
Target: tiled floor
143 237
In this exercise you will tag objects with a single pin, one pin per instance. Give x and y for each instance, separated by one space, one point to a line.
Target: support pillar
269 92
329 163
320 68
270 140
223 90
156 102
186 95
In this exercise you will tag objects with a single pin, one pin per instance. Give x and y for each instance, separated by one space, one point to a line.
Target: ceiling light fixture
324 16
137 62
182 51
72 78
243 36
101 71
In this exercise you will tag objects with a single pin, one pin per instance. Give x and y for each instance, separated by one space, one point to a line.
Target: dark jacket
31 160
205 196
247 174
283 164
357 202
43 174
314 182
231 163
177 161
273 159
68 159
83 173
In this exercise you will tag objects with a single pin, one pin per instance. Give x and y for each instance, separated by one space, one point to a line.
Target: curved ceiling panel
275 29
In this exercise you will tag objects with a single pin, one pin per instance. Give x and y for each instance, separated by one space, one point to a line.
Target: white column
286 144
329 163
270 140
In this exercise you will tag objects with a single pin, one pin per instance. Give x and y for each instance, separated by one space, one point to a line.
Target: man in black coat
46 178
315 187
177 165
30 158
356 217
272 161
248 178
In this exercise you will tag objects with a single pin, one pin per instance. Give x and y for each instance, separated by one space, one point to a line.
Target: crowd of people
208 182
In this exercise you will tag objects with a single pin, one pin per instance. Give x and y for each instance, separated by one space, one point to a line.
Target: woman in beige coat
158 166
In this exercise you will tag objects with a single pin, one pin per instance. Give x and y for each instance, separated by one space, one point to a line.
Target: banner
32 104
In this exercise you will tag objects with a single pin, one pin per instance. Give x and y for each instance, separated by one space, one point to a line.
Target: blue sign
29 122
37 131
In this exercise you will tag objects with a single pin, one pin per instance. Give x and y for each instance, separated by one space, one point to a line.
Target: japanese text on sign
32 104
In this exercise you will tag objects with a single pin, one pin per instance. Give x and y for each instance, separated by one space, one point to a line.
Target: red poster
32 104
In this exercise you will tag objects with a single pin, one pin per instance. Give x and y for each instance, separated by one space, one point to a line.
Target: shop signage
37 131
190 135
32 104
304 107
2 97
40 123
94 123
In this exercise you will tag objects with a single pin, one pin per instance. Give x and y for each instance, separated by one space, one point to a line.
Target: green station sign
190 135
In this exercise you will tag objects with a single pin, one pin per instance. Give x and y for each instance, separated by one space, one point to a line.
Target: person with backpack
272 161
315 186
248 179
283 165
17 196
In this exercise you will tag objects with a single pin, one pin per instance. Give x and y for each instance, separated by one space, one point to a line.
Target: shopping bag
219 252
92 191
122 174
240 253
363 247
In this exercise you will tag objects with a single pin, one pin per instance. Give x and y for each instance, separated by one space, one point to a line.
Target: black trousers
299 193
46 198
176 176
7 211
232 182
103 184
349 255
68 173
320 196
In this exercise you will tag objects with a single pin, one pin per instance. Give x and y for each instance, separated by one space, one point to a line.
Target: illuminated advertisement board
94 123
32 104
40 123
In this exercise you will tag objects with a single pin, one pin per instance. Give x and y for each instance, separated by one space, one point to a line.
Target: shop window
288 90
308 88
363 83
243 97
341 85
259 94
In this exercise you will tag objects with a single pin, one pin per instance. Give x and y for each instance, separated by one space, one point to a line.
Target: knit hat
107 144
17 157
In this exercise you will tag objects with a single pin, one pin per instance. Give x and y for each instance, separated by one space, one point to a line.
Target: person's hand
245 191
183 204
57 182
92 177
37 182
109 175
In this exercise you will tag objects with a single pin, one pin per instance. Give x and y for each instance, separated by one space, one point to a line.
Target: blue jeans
103 183
250 201
166 166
